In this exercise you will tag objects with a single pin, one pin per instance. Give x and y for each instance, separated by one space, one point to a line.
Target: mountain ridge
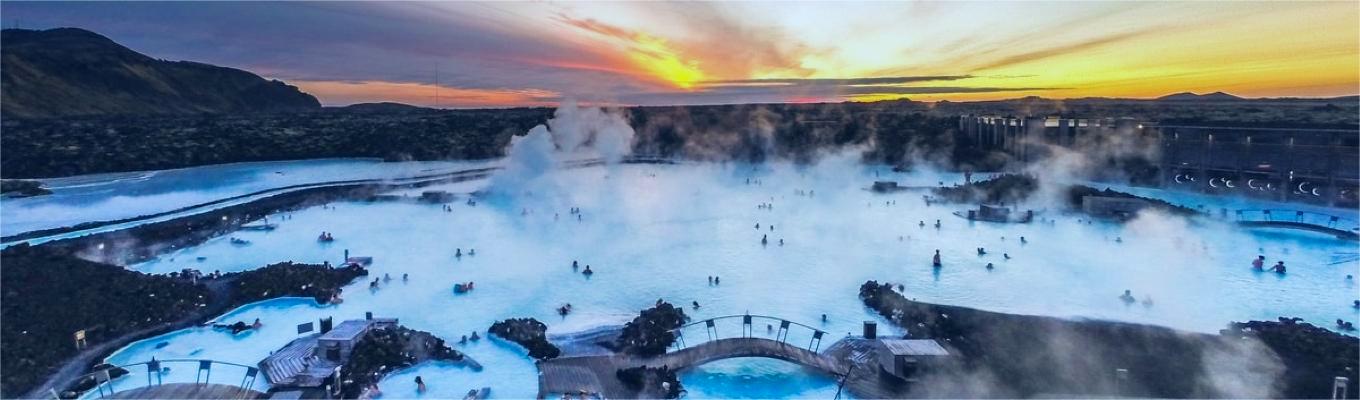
70 72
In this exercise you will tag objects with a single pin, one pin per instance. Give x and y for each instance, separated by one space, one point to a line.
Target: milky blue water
756 378
655 231
103 197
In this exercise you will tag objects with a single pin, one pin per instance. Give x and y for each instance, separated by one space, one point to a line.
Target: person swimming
1006 255
935 262
922 224
981 251
574 265
781 242
1023 241
1127 297
588 272
717 280
420 385
696 304
405 277
764 240
1259 263
474 336
989 266
458 252
472 252
937 224
1278 268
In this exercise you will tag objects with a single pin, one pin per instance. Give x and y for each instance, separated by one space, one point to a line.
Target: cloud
736 94
1059 50
728 46
841 82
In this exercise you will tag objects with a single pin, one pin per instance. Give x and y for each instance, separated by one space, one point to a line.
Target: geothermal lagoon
658 231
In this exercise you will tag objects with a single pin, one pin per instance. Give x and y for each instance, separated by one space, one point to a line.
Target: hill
1187 96
385 107
67 72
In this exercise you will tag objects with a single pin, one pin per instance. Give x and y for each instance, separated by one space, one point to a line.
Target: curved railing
161 372
1298 219
748 326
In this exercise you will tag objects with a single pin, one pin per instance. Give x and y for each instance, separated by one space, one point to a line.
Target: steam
1095 155
1242 369
574 133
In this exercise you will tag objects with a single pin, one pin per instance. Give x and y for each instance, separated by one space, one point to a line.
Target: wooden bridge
596 373
1341 227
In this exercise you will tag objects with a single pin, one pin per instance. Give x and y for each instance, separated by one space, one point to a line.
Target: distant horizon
506 55
1300 98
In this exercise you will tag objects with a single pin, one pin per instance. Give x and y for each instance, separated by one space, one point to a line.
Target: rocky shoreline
383 351
125 306
1005 355
321 282
650 333
50 296
22 188
528 333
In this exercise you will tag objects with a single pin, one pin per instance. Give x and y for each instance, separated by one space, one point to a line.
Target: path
76 366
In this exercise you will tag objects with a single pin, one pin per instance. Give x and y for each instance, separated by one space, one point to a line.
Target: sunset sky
511 54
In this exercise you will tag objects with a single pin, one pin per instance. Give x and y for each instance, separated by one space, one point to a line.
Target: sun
655 56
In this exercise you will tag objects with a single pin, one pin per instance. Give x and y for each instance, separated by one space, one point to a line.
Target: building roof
348 330
914 347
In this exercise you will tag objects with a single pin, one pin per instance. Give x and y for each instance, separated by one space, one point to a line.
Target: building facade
1316 166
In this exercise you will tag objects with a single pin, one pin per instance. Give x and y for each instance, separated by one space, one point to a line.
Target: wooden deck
295 366
188 391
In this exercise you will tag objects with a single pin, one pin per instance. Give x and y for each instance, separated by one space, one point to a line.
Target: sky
504 54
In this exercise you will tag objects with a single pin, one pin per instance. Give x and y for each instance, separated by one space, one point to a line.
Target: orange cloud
653 56
336 93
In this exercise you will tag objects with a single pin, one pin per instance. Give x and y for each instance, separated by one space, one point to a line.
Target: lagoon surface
658 231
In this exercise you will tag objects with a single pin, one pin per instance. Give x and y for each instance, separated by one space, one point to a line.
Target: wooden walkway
188 391
596 374
295 366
